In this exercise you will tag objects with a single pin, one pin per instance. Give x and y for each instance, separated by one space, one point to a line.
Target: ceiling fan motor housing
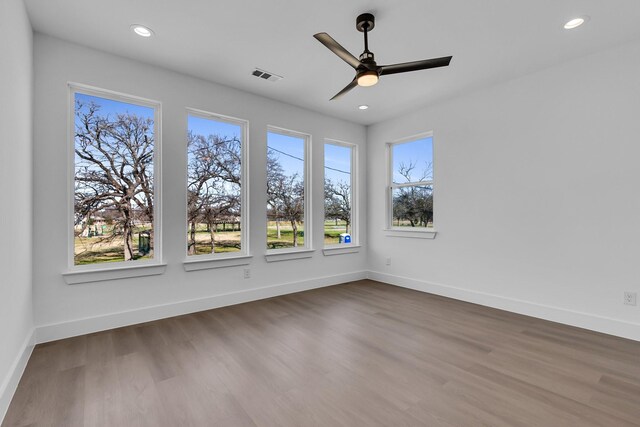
365 20
367 57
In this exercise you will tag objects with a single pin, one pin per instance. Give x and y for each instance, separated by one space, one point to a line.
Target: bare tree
408 170
290 201
214 185
275 172
285 195
414 203
114 168
337 201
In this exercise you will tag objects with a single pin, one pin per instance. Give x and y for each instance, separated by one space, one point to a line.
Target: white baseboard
555 314
10 382
88 325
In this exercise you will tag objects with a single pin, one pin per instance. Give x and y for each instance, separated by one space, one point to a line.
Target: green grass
404 223
104 256
286 236
97 250
225 242
106 248
332 232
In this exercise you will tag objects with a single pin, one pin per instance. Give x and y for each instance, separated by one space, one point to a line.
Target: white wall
16 89
61 308
537 197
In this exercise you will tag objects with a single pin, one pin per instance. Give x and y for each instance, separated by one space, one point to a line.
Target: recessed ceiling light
141 30
363 107
575 22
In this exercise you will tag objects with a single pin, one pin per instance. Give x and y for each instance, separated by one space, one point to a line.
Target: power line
302 160
337 170
286 154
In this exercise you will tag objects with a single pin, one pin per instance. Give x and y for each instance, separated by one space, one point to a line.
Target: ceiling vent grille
266 75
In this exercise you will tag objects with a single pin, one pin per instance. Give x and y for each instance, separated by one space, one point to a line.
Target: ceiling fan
367 71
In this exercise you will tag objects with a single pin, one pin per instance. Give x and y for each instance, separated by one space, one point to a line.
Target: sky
337 163
291 148
111 108
290 152
108 106
419 152
206 127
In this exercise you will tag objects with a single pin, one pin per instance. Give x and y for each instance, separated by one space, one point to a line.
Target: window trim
126 272
391 231
123 268
290 253
201 262
355 224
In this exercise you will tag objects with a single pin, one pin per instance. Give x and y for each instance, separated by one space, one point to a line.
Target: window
339 179
288 186
216 199
115 178
411 184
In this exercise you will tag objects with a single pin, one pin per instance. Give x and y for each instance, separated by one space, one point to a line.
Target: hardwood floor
359 354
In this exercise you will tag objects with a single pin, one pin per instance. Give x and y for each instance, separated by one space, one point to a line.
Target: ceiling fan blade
337 48
347 88
415 65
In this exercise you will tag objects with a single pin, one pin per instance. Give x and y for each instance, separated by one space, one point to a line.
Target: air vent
267 75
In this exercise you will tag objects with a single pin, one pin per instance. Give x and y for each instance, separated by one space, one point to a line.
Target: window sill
341 249
220 262
275 255
87 276
412 234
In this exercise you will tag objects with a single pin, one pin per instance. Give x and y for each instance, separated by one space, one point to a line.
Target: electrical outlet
247 273
388 261
630 298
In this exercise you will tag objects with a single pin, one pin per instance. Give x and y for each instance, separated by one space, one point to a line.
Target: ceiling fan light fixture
368 78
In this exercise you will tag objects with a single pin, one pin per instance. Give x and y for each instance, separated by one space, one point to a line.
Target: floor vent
266 75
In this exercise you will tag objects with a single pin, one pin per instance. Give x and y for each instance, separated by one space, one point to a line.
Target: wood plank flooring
359 354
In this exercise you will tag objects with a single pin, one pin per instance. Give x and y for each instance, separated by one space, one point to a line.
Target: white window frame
109 271
337 249
307 250
390 230
243 257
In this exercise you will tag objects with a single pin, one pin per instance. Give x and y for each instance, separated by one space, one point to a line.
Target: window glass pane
285 190
413 161
214 165
413 206
337 194
113 181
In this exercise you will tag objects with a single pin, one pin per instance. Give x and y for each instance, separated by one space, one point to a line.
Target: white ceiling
223 41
